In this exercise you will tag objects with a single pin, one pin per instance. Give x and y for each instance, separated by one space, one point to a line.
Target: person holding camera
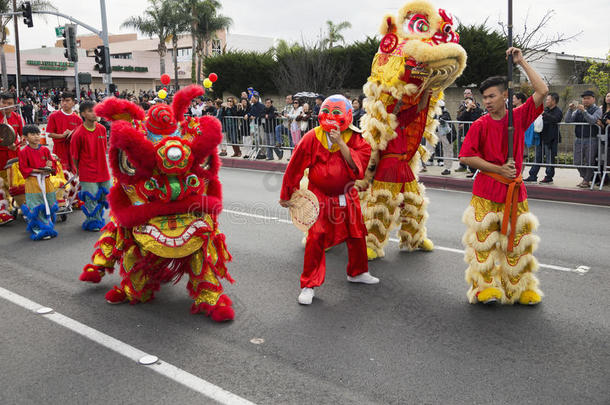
585 144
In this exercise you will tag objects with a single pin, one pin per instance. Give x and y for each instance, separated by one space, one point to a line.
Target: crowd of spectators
252 125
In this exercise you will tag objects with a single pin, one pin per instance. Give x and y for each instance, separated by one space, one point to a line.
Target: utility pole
17 53
107 76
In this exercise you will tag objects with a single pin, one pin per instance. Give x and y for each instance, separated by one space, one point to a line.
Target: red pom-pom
165 79
213 77
165 88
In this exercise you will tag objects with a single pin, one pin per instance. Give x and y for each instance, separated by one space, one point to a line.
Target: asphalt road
411 339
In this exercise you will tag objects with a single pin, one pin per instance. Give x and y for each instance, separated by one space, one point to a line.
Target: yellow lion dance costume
418 58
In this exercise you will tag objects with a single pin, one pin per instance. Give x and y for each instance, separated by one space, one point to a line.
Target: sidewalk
563 187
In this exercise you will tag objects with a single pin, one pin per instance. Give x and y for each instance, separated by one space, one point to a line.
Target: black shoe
546 180
470 175
531 179
246 156
446 172
260 157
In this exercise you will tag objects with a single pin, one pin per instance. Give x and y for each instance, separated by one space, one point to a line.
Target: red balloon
213 77
165 79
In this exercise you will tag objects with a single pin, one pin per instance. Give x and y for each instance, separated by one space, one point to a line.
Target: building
136 64
560 68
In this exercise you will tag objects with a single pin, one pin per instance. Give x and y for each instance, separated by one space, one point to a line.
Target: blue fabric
37 228
531 138
94 204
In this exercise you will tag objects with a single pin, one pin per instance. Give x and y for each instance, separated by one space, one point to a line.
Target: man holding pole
499 241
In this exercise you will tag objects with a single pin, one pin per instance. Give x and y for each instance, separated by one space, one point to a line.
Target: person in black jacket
254 117
549 139
469 111
269 122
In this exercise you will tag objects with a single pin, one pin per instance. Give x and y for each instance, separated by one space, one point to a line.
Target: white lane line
170 371
578 270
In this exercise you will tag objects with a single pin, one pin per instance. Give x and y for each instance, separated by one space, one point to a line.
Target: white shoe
306 296
364 278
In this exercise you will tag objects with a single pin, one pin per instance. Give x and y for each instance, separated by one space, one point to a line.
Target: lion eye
418 24
125 165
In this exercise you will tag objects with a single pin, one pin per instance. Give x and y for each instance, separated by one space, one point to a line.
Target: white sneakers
306 296
364 278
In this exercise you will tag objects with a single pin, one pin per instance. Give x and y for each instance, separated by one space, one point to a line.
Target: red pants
314 268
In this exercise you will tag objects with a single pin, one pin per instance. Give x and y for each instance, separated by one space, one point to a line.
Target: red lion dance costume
418 58
164 205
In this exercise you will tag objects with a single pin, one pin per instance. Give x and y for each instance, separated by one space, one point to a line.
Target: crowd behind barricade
254 128
587 122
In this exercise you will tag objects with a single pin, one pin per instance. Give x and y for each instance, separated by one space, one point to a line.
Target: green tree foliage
239 70
598 74
289 68
361 54
486 51
154 23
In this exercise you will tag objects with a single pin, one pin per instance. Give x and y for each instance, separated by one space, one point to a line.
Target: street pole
16 25
76 83
107 77
511 128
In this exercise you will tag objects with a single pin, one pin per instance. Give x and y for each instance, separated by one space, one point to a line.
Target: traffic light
71 52
26 8
102 59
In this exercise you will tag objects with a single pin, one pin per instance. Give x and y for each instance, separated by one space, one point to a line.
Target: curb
593 197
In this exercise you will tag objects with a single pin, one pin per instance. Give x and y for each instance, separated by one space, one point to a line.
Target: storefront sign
50 65
129 69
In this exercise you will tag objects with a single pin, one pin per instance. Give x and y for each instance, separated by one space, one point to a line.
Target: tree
6 6
177 25
598 74
154 23
204 22
486 49
209 24
334 33
531 39
311 69
284 46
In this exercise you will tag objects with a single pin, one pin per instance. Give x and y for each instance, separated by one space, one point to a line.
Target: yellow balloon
162 94
207 83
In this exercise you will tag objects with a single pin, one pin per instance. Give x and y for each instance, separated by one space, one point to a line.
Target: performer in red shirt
60 127
501 262
12 118
336 157
36 165
88 150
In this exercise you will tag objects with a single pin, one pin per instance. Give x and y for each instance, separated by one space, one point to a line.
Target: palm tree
334 33
177 25
204 22
209 24
154 22
6 6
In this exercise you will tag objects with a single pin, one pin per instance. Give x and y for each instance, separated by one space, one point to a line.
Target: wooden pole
511 128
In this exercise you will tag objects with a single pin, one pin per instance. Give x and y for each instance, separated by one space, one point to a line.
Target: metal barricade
585 154
264 138
604 153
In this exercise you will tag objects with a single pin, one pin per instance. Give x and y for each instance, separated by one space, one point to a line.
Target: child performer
501 262
88 150
10 117
36 165
336 157
60 127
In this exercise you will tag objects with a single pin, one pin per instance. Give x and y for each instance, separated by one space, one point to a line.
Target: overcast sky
305 19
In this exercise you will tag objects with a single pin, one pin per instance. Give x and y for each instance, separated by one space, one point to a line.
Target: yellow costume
418 58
